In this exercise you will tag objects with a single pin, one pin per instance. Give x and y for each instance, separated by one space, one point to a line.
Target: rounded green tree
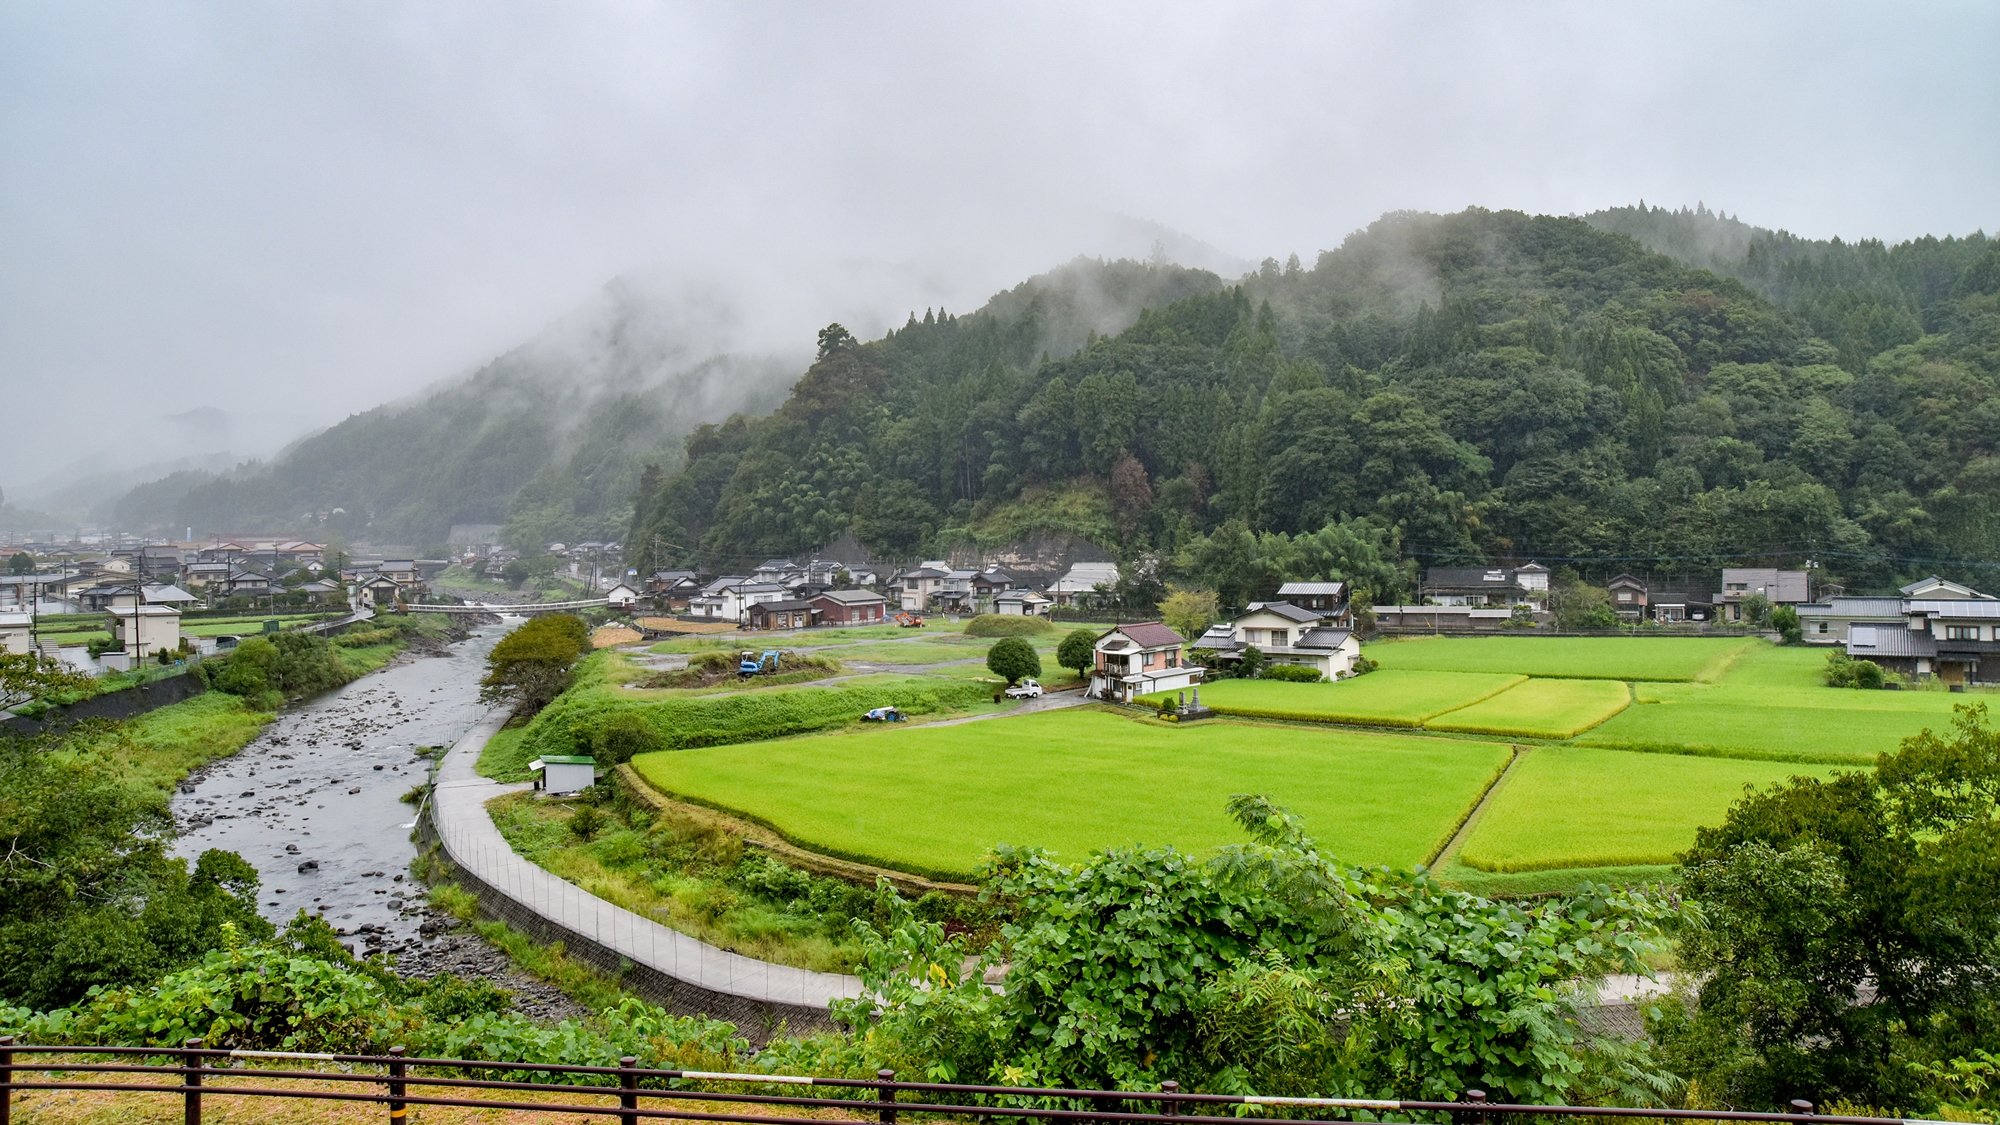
1078 651
1011 658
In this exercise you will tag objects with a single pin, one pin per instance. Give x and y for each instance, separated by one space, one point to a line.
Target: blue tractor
755 665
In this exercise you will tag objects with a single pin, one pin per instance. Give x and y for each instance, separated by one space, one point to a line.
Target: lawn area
1773 705
1580 658
934 800
1584 807
916 653
1385 698
1539 709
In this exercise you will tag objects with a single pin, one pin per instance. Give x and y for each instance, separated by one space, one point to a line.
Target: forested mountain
548 438
1440 388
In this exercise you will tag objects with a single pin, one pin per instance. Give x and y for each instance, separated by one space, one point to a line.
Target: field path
1471 821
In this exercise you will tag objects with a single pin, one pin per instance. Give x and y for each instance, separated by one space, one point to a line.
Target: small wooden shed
564 773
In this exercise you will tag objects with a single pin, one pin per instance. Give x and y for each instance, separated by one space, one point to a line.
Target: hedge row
570 724
1515 867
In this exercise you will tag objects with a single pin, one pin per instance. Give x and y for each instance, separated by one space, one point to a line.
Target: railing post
1169 1107
6 1079
1477 1097
888 1096
191 1081
397 1110
628 1095
1802 1106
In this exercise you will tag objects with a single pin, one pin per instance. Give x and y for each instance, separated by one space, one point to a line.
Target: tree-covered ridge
1439 388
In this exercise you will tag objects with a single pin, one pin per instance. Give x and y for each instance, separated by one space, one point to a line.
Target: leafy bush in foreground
1141 965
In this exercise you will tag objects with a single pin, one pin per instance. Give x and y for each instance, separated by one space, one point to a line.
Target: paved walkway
472 842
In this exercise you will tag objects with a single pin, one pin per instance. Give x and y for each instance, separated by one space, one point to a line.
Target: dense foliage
1439 388
88 893
1271 968
285 665
1849 942
1013 659
531 666
303 992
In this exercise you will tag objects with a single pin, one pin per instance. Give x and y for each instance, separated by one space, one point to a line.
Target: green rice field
1385 698
936 799
1573 807
1772 704
1539 709
1581 658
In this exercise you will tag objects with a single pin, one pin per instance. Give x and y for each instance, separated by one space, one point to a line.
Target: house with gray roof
1288 634
1936 628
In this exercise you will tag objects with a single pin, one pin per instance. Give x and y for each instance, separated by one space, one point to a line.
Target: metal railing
396 1082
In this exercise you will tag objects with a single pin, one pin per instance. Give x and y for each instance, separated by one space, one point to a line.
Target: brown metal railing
392 1085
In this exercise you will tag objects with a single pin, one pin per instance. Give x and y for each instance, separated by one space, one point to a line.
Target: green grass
914 653
155 750
1385 698
570 724
1580 658
1565 807
935 800
1773 705
1539 709
504 758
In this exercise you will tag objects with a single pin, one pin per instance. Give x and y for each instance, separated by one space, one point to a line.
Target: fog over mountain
292 214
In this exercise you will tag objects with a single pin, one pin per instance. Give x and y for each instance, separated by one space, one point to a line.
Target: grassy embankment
570 724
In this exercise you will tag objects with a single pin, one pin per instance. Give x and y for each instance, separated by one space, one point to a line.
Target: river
315 801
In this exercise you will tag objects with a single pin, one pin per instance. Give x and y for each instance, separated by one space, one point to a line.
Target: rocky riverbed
315 801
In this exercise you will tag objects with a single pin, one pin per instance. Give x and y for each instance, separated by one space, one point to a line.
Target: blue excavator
755 665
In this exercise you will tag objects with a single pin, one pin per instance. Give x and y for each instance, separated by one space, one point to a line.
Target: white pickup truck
1026 689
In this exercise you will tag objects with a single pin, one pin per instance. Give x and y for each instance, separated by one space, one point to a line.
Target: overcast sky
297 210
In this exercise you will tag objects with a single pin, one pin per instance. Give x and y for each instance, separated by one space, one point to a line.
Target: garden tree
26 676
1271 968
1578 605
1847 934
21 562
1012 659
531 665
1757 609
88 894
1785 620
1189 612
1078 651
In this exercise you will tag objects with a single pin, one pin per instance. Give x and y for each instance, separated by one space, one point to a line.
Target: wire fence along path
517 890
194 1072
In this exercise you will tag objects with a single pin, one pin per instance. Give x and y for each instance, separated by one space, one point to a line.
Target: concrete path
471 841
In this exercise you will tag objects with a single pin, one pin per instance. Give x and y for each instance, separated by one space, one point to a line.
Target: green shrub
1293 673
1845 671
1006 625
1012 659
624 735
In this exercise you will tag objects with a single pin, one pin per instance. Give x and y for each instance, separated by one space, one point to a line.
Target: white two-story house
1287 634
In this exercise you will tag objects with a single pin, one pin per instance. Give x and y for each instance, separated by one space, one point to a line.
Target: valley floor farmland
1578 658
1577 807
936 799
